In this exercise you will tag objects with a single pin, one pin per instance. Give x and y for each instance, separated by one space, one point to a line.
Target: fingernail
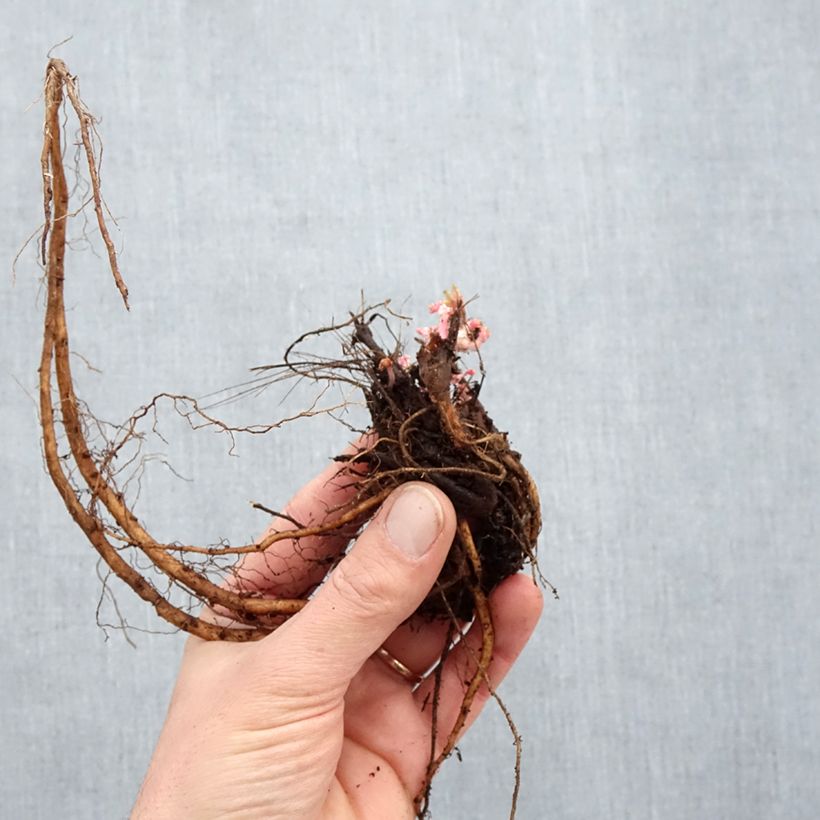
415 520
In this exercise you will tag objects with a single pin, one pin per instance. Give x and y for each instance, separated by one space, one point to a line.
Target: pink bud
424 334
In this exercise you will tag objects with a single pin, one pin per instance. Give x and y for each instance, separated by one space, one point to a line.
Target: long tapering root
482 663
55 361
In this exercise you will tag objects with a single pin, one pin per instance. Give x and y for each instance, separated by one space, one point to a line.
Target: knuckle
365 589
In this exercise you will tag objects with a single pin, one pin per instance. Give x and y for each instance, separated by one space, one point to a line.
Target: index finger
289 568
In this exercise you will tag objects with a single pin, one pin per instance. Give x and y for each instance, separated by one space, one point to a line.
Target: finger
375 587
418 644
515 606
290 568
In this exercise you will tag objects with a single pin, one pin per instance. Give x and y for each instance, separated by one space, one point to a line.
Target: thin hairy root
517 743
422 799
404 431
455 429
59 72
352 513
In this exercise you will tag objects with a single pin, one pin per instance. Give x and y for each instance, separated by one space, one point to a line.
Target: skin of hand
306 723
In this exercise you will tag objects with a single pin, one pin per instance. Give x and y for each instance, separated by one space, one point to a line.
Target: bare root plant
427 423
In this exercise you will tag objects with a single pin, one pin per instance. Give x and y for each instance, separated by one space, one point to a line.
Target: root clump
430 425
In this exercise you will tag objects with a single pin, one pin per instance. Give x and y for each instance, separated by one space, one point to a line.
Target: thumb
377 585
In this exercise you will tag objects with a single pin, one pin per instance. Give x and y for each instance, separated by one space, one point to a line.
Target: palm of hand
252 732
305 723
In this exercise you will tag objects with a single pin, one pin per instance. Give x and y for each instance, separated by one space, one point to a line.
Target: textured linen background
633 190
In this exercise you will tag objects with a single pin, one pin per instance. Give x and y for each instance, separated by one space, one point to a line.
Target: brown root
427 423
482 614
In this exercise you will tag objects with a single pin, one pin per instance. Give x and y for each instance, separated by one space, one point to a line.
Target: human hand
307 723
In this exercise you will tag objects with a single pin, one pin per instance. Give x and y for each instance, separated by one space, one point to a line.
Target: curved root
482 660
465 456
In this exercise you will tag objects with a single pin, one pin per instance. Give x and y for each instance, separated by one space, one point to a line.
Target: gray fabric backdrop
633 190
